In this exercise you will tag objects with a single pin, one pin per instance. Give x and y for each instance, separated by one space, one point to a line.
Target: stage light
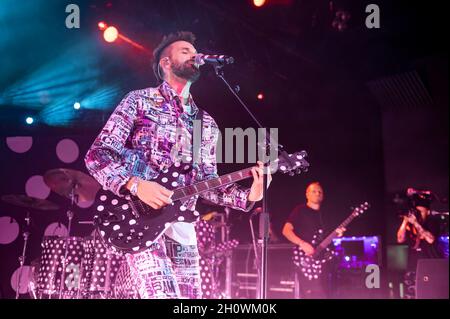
76 105
260 96
259 3
29 120
102 25
110 34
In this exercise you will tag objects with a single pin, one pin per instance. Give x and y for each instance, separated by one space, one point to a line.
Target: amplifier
280 272
432 279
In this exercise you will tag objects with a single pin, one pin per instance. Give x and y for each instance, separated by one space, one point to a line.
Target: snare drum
51 274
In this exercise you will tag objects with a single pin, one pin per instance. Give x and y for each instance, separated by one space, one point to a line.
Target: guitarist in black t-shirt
303 223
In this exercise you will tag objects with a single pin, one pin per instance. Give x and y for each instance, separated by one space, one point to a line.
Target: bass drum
100 268
52 282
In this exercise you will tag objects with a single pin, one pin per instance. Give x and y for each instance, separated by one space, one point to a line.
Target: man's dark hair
165 42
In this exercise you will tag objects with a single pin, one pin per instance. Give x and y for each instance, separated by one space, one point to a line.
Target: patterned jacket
142 138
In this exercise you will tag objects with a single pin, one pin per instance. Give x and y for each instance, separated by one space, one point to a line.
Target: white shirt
184 233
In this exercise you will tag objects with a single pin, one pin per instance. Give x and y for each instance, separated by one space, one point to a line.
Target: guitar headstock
290 163
359 210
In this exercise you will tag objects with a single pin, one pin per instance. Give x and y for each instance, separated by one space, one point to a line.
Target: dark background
370 106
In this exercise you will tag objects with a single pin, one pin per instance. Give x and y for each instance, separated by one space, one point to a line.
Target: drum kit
69 267
215 250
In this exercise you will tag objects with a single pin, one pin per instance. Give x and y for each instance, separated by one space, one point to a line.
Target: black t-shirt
306 222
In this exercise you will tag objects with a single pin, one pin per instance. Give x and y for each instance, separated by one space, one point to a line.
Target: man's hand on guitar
153 194
256 191
340 231
307 248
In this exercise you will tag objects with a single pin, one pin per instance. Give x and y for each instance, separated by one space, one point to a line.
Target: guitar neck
288 163
333 234
203 186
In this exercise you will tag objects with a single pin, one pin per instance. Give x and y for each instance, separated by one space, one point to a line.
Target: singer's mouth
194 65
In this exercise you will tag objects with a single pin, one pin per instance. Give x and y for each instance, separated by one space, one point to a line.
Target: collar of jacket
170 94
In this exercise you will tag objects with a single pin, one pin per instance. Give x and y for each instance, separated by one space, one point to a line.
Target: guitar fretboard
332 235
200 187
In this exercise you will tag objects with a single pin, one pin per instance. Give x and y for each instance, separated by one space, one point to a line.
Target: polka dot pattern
67 151
9 230
50 270
36 187
90 269
21 278
19 144
101 266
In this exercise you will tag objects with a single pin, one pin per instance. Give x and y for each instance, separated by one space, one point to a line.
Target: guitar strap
322 226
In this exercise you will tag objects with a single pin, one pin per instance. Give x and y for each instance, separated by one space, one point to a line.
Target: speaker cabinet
432 279
280 272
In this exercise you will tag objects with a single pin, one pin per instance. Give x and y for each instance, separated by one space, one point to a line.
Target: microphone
214 59
434 213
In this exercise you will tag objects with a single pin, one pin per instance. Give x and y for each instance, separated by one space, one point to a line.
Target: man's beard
186 71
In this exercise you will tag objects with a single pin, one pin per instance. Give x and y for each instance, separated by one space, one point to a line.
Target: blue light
54 87
76 105
29 120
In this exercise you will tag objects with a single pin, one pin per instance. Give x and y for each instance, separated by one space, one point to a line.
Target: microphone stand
228 255
264 217
255 249
26 235
70 215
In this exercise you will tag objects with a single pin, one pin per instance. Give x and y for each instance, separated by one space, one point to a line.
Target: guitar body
128 225
312 267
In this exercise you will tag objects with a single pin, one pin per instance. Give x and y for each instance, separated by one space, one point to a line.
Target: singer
141 139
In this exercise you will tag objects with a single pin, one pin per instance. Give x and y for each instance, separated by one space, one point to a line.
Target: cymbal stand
26 235
70 215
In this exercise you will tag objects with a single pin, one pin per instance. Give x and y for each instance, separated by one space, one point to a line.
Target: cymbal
67 182
29 202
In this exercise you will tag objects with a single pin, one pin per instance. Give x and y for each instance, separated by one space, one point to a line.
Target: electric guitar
128 225
311 266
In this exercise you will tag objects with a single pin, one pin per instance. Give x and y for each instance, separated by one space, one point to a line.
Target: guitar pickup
134 210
